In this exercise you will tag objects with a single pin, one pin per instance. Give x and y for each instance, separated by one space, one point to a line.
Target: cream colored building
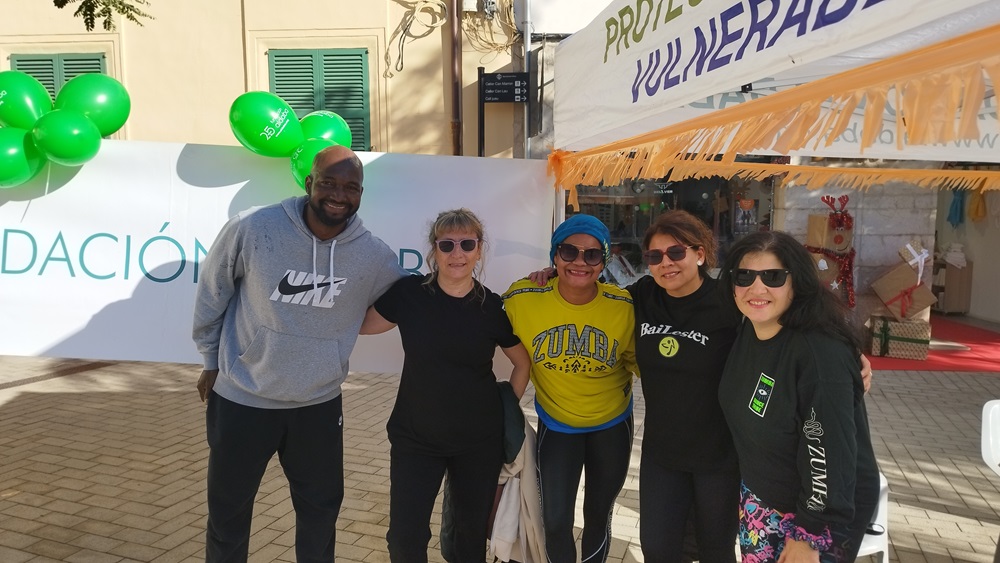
184 68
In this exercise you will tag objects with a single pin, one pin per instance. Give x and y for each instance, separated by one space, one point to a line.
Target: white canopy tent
645 64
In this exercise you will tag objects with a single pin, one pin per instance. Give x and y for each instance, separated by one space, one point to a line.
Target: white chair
879 543
991 445
991 435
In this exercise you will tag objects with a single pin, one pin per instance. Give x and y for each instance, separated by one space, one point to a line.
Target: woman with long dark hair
794 401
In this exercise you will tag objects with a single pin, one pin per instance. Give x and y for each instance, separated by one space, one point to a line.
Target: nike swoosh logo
285 287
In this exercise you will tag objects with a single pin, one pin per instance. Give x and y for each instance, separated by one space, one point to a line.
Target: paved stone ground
104 462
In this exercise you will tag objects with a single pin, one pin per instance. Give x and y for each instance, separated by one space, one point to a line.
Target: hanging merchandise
977 207
956 213
993 207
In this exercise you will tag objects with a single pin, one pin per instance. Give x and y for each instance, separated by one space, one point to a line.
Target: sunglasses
771 278
676 253
447 245
591 256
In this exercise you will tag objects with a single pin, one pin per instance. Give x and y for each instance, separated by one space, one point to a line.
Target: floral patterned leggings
762 539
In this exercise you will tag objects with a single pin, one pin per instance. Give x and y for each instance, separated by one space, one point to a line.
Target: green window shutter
75 65
55 70
345 92
293 79
330 79
42 68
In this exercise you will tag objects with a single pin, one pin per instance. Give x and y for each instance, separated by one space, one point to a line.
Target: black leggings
605 454
666 500
414 482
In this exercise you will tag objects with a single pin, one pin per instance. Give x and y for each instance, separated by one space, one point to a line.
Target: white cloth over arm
517 530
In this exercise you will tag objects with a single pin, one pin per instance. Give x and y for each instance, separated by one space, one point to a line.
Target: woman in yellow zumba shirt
579 333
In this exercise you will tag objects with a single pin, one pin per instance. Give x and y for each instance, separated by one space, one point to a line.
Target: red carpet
983 353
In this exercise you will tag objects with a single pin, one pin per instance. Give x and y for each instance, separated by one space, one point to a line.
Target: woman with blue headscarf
580 335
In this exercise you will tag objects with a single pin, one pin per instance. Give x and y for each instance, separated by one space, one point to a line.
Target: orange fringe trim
939 91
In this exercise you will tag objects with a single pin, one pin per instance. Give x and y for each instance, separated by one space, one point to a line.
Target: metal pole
456 77
482 118
526 34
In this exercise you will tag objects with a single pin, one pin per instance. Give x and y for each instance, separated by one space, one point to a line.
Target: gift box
902 292
914 253
821 234
910 340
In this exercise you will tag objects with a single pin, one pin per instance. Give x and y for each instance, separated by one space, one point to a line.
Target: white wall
558 16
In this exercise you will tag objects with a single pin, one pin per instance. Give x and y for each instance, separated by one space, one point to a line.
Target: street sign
505 87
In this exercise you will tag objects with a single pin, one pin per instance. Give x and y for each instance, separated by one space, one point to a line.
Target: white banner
101 262
640 58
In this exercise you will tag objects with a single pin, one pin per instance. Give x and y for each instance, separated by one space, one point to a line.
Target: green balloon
67 137
22 99
327 125
265 124
302 159
20 159
98 96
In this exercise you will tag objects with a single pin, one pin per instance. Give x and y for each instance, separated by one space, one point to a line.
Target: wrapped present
903 292
909 340
833 231
914 253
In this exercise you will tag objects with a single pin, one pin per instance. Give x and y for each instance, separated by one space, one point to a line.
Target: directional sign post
499 87
505 87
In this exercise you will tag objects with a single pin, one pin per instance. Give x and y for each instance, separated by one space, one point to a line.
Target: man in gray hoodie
279 305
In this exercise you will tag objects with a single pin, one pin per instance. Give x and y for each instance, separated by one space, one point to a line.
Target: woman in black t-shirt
794 401
688 468
447 416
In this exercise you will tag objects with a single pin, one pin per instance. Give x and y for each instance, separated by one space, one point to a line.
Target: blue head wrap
585 224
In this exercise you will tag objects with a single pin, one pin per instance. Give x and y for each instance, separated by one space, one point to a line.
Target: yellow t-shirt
583 356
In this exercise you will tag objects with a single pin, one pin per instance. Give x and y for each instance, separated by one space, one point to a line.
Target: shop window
732 208
327 79
55 70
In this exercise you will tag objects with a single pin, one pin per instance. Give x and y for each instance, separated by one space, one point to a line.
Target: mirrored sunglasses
591 256
771 278
676 253
447 245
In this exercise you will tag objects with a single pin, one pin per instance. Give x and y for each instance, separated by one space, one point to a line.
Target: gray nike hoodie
278 311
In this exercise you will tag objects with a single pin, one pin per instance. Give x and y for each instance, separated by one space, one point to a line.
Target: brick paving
104 462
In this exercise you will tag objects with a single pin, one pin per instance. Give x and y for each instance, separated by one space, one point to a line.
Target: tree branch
92 10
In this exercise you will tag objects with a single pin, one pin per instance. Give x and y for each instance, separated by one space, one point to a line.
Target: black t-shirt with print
448 400
681 348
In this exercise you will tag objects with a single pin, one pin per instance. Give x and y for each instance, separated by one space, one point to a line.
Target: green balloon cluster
33 131
266 125
327 125
321 129
20 159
